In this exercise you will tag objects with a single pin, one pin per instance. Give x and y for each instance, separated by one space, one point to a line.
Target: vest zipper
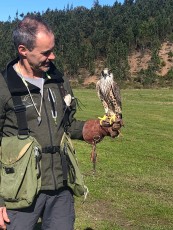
50 142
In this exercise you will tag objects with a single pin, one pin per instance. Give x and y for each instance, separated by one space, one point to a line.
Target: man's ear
22 50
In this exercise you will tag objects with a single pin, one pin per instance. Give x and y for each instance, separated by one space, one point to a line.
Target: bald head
27 31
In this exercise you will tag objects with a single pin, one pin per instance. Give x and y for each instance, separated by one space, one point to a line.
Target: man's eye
47 53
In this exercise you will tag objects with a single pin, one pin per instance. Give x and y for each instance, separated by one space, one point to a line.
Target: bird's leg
102 119
107 119
112 119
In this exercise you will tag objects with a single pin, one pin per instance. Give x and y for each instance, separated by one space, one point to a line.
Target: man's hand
94 132
3 218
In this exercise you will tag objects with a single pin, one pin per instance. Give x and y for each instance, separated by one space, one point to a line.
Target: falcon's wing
116 93
101 97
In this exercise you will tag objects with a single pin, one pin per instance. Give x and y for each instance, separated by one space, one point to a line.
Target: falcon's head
107 74
106 81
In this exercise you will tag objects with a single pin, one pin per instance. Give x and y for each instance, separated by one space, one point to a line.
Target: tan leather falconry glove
94 132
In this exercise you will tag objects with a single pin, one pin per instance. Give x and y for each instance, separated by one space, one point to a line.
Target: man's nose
51 56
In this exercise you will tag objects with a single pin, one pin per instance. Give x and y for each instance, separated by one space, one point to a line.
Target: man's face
39 58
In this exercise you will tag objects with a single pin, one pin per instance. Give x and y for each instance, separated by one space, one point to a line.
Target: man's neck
24 69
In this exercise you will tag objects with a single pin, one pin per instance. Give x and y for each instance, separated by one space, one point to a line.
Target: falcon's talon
108 119
112 119
104 118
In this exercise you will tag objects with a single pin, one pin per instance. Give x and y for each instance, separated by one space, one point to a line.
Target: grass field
133 184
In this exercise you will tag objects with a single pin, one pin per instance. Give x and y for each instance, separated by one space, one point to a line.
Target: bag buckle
19 108
9 170
51 149
37 162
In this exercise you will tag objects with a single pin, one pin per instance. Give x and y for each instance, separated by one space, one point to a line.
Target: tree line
105 32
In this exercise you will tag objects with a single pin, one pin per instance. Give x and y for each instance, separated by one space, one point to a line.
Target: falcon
109 93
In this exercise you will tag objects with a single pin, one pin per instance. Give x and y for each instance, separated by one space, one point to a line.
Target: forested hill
89 39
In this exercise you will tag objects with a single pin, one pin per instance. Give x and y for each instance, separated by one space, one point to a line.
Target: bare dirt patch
167 60
91 79
140 60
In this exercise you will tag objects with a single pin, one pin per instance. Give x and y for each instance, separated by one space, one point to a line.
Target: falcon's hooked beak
107 74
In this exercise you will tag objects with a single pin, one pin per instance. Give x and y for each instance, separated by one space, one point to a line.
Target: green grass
133 184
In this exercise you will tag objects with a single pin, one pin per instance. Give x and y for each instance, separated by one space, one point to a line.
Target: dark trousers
55 209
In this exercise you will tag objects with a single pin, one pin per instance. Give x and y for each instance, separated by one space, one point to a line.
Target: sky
10 7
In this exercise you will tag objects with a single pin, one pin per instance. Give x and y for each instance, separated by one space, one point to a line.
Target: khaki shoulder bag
20 176
74 176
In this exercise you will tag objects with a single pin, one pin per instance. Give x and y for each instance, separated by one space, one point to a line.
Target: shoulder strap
65 118
20 111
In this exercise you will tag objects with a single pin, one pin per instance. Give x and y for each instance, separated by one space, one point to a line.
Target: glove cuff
93 132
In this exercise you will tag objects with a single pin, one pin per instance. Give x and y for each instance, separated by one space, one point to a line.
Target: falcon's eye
109 72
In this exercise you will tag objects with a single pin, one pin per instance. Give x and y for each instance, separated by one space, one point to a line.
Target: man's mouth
47 64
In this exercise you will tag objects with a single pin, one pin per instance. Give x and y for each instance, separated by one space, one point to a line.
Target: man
43 90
